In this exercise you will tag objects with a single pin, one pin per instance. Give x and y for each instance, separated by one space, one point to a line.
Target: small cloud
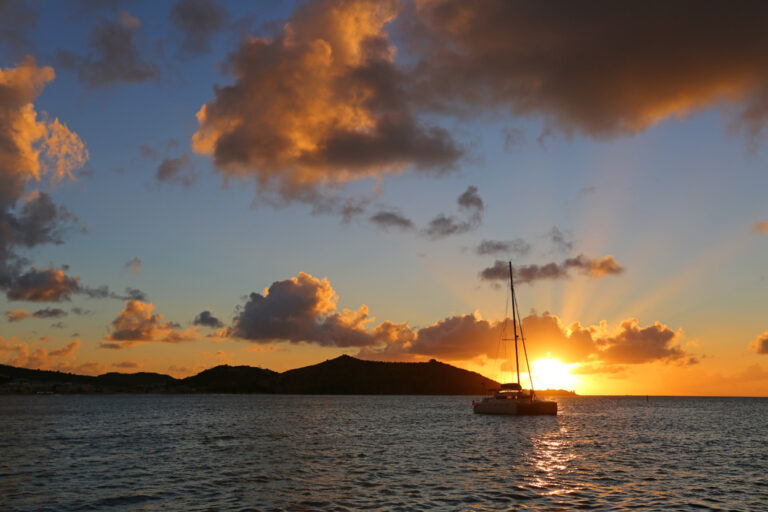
197 22
207 319
471 204
595 268
134 265
176 170
518 247
559 240
137 323
760 227
760 344
387 219
114 56
126 365
513 138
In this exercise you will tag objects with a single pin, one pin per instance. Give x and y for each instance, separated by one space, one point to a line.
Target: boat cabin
510 391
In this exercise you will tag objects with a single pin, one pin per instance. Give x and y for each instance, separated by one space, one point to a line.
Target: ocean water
251 452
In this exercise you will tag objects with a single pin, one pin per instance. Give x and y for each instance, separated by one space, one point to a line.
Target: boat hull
516 407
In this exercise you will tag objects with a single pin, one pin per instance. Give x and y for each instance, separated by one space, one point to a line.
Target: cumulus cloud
470 204
760 344
134 265
632 344
595 268
197 22
321 103
518 247
303 309
136 324
207 319
760 227
114 56
387 219
176 170
18 315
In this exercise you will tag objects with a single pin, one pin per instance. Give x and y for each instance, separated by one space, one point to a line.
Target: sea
281 452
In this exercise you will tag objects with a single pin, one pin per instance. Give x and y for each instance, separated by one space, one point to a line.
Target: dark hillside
348 375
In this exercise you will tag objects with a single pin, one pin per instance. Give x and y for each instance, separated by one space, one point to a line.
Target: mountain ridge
342 375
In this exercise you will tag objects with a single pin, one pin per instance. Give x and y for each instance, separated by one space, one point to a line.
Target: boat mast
514 320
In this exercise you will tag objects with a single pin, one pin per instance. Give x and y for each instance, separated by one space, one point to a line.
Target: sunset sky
191 183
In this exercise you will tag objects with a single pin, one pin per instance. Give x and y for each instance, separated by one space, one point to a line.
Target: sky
190 183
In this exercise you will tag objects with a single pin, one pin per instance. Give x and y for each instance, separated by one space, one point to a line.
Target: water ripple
149 453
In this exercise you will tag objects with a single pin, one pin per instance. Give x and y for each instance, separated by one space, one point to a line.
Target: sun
552 374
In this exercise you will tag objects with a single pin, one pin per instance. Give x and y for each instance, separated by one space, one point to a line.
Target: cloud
207 319
16 21
386 219
470 204
632 344
560 241
126 365
103 292
595 268
19 314
134 265
136 324
114 56
760 227
464 337
513 138
176 170
197 22
44 285
606 68
760 344
25 356
320 104
303 309
31 149
518 247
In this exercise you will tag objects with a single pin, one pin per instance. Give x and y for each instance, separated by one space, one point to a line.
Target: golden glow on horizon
552 374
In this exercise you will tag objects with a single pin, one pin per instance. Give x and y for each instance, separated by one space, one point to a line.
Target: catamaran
511 398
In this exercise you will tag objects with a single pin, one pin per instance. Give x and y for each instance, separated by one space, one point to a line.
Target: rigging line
525 351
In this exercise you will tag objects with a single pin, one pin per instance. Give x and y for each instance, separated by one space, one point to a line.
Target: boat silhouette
511 398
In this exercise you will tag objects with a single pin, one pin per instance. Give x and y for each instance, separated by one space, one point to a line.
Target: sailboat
511 398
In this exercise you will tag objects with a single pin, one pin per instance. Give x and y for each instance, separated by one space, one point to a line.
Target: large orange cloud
321 103
465 337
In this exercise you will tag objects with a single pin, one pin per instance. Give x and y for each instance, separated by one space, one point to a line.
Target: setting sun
552 374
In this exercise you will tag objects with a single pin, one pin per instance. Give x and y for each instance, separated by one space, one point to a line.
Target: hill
342 375
347 375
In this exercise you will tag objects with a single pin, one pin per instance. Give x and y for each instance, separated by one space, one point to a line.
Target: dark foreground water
202 452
